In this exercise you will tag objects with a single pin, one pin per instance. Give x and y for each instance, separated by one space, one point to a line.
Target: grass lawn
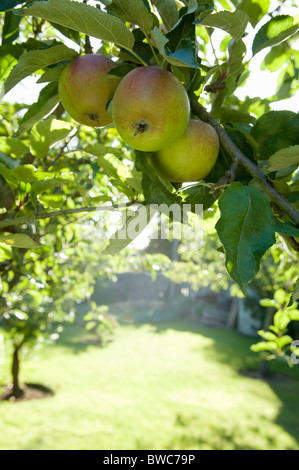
169 386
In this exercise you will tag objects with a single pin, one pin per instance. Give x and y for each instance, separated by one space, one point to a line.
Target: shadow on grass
77 339
232 348
30 391
215 438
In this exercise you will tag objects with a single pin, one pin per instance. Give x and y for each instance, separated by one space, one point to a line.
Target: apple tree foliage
54 171
50 266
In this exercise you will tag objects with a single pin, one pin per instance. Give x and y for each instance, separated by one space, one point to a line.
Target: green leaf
30 62
8 161
281 320
54 201
185 56
9 55
133 11
6 173
67 32
255 9
199 195
286 229
108 165
108 161
182 31
40 187
46 133
135 183
295 295
269 303
155 189
88 316
287 82
284 158
227 5
193 79
275 329
5 253
236 49
133 226
264 346
120 70
168 12
293 315
274 31
281 296
99 199
18 240
284 341
142 50
10 30
276 130
234 23
90 325
246 230
9 4
178 46
48 99
29 174
14 147
153 193
51 74
267 335
85 19
225 115
276 58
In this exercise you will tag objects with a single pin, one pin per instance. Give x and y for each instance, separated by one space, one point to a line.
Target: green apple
191 157
85 90
150 108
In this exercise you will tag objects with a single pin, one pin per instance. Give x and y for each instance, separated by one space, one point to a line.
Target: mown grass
169 386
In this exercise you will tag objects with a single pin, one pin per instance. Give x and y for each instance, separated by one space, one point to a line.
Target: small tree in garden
62 157
276 342
100 323
39 294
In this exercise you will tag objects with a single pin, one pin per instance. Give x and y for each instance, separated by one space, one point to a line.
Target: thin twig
226 179
50 215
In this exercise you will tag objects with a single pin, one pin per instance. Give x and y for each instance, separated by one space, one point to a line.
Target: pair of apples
150 110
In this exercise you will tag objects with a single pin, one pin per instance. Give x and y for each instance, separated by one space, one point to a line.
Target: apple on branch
191 157
150 108
85 89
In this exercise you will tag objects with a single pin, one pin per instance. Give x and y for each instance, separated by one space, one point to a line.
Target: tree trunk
15 370
264 369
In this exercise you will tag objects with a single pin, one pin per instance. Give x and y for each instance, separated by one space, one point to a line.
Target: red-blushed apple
191 157
150 108
85 90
